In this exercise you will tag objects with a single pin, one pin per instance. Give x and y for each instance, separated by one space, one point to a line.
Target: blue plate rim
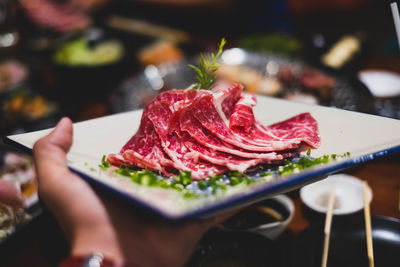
291 183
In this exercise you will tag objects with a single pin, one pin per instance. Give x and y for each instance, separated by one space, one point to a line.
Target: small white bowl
348 194
269 229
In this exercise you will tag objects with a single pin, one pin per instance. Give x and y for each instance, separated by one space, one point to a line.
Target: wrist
104 241
94 259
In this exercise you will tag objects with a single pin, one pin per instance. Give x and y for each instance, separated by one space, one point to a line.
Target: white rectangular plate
364 136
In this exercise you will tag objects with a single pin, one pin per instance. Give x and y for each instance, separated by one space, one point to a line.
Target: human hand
94 222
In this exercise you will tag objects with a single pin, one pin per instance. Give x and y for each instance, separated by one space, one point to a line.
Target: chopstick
396 19
327 229
147 29
367 217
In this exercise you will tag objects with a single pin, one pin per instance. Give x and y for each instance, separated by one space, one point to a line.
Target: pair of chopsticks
328 223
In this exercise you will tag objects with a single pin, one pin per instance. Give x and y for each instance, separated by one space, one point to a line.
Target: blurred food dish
12 73
287 82
252 79
269 217
17 169
23 104
81 52
348 194
10 219
87 68
274 43
55 15
160 52
260 73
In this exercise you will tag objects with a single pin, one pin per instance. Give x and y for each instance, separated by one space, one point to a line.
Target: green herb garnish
307 162
184 178
216 183
191 195
145 177
124 171
205 73
104 163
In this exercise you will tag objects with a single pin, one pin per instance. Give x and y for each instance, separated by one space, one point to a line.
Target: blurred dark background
91 58
33 32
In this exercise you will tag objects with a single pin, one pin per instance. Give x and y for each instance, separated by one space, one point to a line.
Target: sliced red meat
179 99
300 128
206 113
143 149
226 98
159 113
191 125
232 162
211 132
242 114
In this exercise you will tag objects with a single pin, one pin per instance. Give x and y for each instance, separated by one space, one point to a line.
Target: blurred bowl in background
269 217
88 68
348 194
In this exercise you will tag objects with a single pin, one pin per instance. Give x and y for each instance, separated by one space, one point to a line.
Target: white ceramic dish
277 206
273 230
364 136
348 194
381 83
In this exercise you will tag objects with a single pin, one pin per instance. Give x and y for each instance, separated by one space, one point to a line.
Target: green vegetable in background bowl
277 43
80 53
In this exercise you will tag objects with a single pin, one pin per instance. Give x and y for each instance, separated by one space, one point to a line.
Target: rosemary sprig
205 73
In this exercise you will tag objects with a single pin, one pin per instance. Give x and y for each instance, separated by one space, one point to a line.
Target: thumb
50 152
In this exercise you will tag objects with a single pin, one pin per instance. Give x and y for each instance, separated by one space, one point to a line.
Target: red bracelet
92 260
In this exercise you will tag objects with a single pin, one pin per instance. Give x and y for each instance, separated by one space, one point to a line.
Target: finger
10 194
50 151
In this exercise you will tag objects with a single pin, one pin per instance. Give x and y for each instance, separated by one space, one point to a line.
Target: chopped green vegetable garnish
216 183
205 73
202 184
145 177
124 172
188 194
184 177
104 163
177 186
306 162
